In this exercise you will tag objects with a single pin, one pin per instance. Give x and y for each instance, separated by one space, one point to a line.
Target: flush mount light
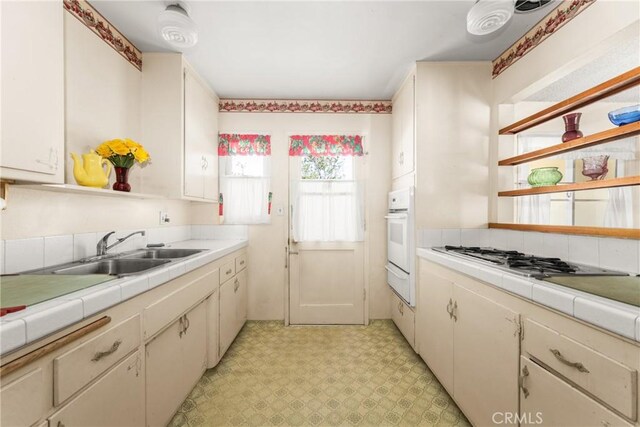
486 16
177 28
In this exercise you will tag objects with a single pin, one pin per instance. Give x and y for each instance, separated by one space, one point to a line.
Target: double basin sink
123 264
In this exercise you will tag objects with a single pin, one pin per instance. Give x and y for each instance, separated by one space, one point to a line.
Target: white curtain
245 182
534 209
619 210
327 211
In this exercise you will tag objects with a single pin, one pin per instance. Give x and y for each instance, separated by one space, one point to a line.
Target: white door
326 276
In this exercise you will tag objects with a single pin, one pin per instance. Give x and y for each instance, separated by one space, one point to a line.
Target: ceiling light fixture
177 28
486 16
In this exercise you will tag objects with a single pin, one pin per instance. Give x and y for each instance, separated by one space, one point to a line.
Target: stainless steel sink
114 267
163 254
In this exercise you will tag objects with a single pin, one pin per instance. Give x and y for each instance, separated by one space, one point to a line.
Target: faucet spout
102 247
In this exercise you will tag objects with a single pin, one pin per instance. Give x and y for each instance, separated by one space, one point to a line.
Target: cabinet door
486 342
117 399
549 401
211 151
434 326
195 136
396 137
228 323
24 401
213 329
163 360
194 347
241 299
32 118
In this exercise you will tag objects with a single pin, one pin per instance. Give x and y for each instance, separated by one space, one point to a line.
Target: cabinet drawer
403 317
612 382
79 366
241 262
23 401
550 401
227 271
163 312
116 399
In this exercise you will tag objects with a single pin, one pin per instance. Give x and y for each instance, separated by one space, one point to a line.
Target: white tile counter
36 321
622 319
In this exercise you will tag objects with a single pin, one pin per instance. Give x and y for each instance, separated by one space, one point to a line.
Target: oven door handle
396 274
396 216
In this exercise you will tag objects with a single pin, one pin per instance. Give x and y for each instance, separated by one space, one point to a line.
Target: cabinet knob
454 311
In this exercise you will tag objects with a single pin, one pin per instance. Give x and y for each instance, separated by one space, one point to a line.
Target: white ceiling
318 49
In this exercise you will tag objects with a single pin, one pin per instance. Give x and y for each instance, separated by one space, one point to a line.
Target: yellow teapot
90 172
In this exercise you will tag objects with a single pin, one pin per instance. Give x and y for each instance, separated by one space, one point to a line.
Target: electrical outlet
164 218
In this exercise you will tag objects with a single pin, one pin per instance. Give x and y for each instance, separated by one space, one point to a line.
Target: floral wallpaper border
304 106
92 19
565 12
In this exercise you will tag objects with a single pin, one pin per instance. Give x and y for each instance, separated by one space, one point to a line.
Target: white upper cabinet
403 129
200 140
32 91
180 130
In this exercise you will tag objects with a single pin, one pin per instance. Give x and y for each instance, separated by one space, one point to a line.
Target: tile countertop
39 320
622 319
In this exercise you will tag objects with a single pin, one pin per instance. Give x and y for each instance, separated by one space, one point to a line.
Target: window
245 178
327 199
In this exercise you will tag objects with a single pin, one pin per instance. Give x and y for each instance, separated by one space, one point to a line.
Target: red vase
122 179
571 124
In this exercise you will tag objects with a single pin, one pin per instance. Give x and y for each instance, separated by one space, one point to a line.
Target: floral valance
235 144
325 145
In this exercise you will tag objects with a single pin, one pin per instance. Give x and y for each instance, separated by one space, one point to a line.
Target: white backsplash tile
451 237
584 250
515 240
619 254
533 243
431 238
475 237
547 295
133 286
518 286
219 232
555 245
58 250
499 239
84 245
24 254
42 323
97 301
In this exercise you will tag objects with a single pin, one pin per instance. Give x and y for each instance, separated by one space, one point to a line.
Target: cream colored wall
102 102
102 95
589 35
452 121
267 273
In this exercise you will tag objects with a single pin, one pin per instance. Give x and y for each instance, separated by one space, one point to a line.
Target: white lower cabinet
175 360
233 309
472 345
404 318
547 400
213 329
116 399
23 400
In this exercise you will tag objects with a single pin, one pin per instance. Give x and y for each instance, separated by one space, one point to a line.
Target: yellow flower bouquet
123 153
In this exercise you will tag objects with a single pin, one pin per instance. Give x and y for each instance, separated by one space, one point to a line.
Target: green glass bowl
540 177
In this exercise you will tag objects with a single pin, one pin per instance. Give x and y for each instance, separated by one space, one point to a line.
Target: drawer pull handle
182 329
450 309
579 366
187 323
229 271
114 347
454 311
525 373
242 262
236 285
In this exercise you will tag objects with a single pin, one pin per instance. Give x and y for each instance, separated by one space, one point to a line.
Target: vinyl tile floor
274 375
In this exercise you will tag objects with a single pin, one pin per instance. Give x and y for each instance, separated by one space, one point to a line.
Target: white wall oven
400 244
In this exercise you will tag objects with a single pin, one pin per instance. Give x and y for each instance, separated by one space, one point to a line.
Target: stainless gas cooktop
524 264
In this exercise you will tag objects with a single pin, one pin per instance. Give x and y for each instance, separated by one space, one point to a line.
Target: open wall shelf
610 87
620 233
608 135
578 186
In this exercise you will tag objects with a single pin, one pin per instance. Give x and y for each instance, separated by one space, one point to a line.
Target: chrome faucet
102 247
